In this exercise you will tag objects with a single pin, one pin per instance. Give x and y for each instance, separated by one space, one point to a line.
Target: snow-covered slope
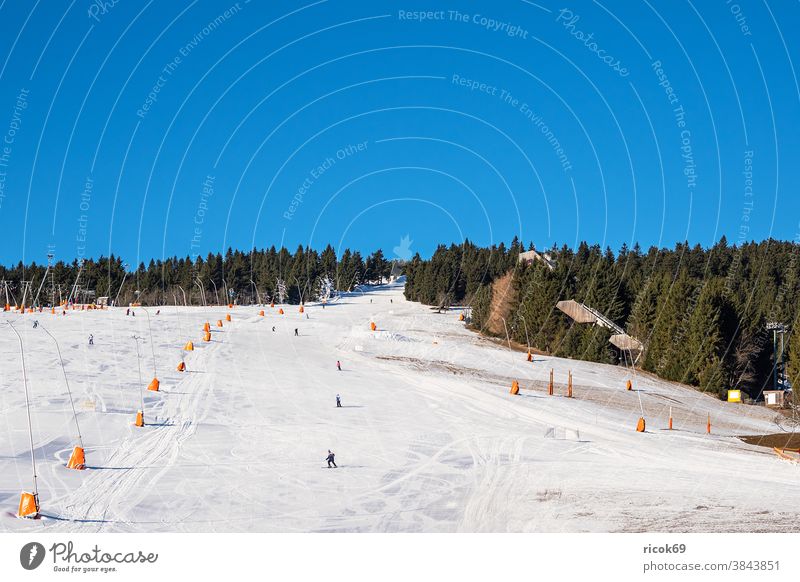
428 438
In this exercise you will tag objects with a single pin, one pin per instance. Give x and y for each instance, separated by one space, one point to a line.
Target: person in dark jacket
338 401
330 459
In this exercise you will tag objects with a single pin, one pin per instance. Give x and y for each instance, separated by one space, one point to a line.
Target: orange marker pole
670 418
550 387
569 385
708 424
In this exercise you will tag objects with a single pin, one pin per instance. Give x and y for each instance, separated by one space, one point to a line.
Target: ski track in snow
428 440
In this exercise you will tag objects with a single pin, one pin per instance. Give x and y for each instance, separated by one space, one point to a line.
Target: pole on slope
38 291
202 293
184 295
73 293
29 502
216 293
140 413
124 276
154 383
527 337
78 458
640 424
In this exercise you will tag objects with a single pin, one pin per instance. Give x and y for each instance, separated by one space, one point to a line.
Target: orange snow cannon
372 326
28 506
182 367
640 426
206 326
189 347
227 317
77 460
514 388
530 356
461 317
219 323
629 385
261 313
230 305
272 305
7 307
154 384
302 309
139 419
207 337
280 311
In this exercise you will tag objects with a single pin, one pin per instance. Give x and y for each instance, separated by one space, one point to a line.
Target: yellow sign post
734 395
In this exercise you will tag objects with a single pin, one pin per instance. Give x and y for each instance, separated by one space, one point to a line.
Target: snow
428 439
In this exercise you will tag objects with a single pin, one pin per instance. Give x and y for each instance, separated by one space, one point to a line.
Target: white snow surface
428 439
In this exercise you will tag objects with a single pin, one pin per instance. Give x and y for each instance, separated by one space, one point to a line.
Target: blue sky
150 129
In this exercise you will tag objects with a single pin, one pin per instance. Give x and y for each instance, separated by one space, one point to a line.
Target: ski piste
429 416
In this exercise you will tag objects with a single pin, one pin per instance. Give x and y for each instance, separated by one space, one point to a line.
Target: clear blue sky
149 129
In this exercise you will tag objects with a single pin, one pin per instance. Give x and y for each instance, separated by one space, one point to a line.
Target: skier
338 365
273 328
330 459
35 323
91 340
158 312
306 315
128 312
296 332
338 401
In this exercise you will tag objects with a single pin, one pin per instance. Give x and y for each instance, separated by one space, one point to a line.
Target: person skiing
306 315
338 401
273 328
338 365
296 332
91 340
330 459
128 311
35 323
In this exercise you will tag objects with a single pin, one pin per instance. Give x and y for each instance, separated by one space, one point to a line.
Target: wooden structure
775 398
